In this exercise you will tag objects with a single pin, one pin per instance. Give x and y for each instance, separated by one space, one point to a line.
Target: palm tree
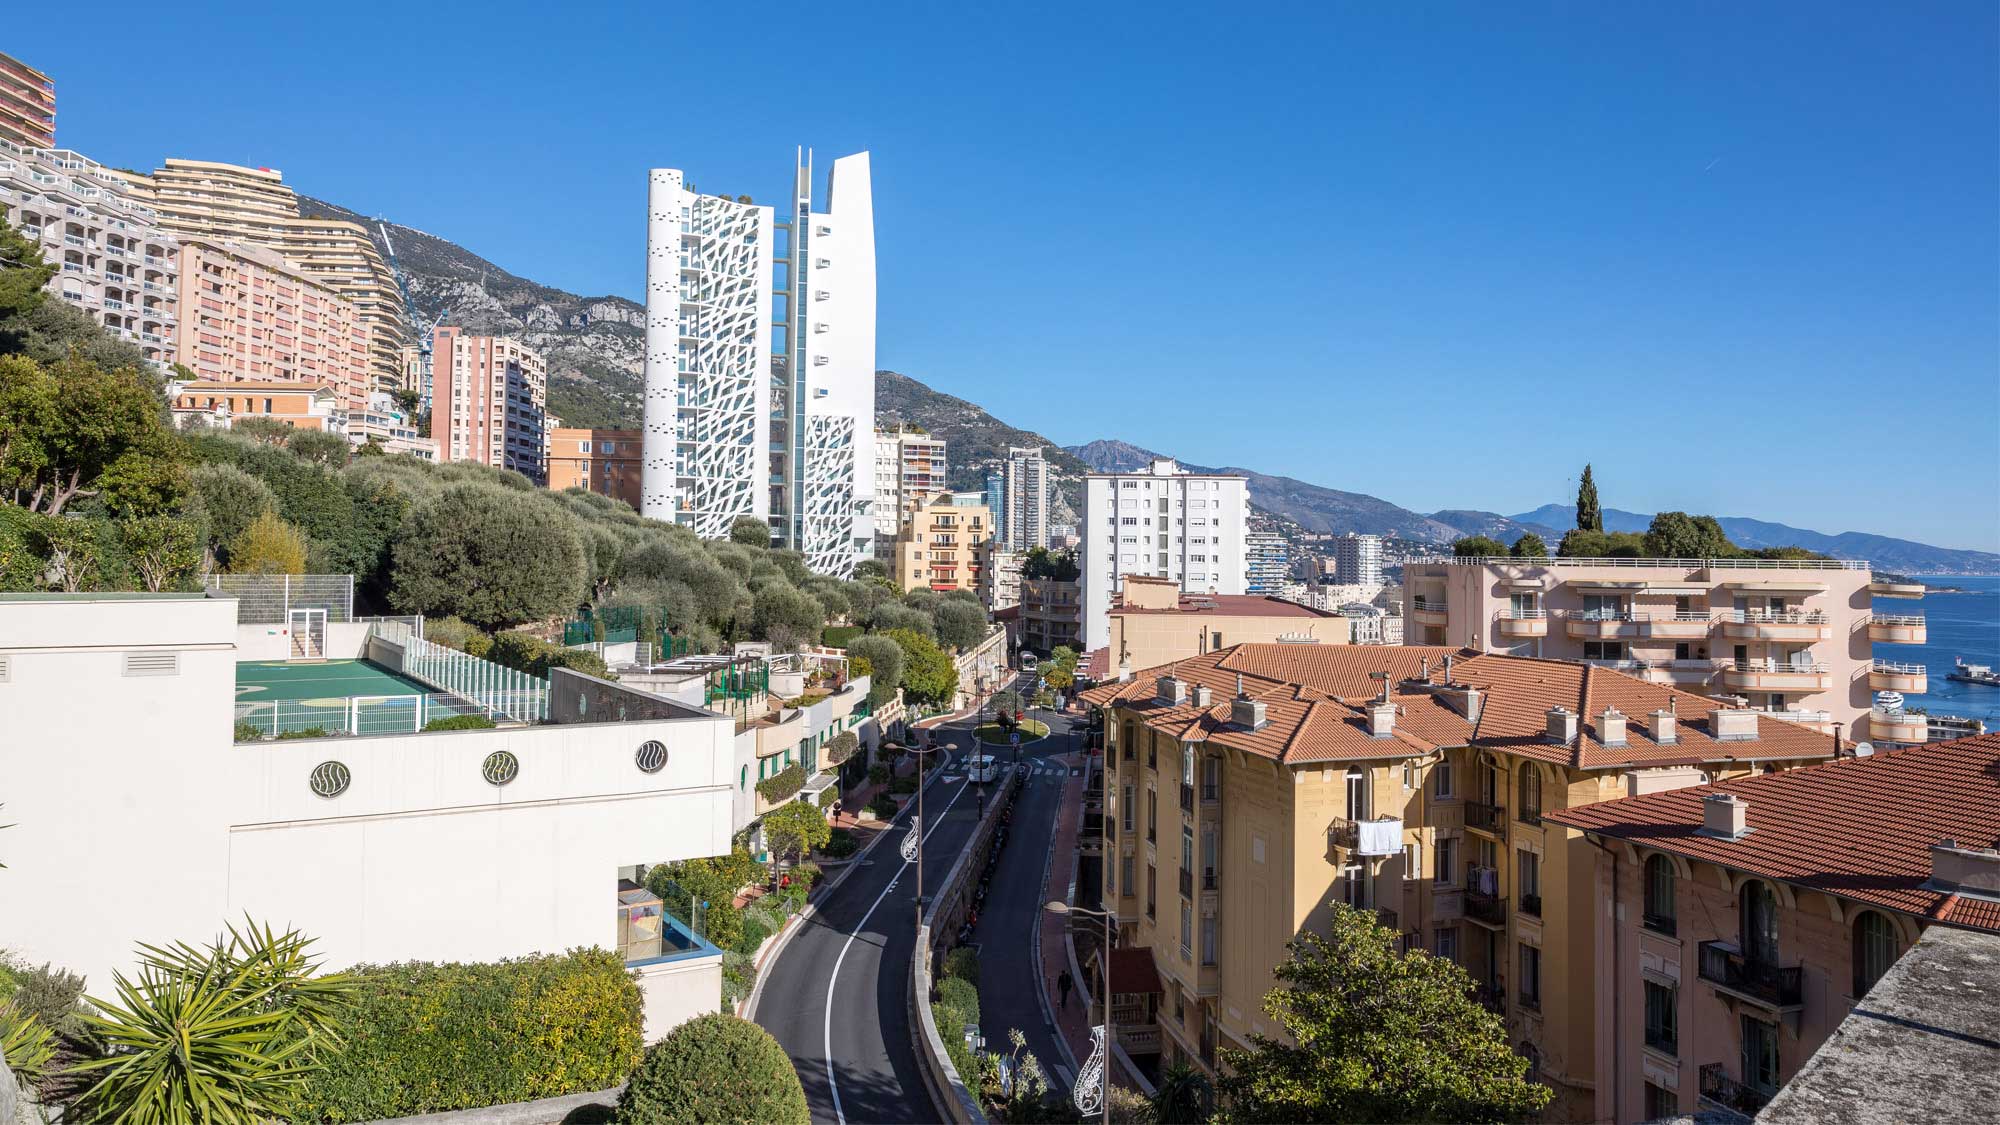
1183 1096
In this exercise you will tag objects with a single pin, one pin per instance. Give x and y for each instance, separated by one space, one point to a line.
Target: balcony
1677 625
1426 612
1722 1091
1531 905
1387 918
1690 671
1888 675
1885 725
1896 589
1660 923
1492 996
1768 986
1767 675
1600 624
1379 837
1523 622
1897 629
1483 903
1777 625
1482 817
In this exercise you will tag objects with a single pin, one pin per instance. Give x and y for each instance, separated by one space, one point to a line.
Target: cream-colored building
487 399
304 406
1249 787
939 545
999 575
1789 637
254 317
207 199
1154 622
910 468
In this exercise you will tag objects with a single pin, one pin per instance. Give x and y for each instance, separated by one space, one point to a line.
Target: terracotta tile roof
1858 828
1316 698
1231 605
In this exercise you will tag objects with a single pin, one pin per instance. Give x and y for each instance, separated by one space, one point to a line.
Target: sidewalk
1073 1024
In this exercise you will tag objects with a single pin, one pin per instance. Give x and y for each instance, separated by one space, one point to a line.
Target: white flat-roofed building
1160 522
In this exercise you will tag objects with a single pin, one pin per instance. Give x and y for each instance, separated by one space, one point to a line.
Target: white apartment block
1357 560
1025 478
910 469
760 363
1267 562
113 259
1161 522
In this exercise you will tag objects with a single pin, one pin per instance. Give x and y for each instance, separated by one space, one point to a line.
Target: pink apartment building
1793 638
254 317
1739 923
487 401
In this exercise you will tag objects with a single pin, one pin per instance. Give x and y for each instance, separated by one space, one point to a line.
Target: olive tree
495 557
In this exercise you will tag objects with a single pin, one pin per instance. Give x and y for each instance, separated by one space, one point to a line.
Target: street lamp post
1057 906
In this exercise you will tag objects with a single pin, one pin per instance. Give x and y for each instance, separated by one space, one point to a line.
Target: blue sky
1744 258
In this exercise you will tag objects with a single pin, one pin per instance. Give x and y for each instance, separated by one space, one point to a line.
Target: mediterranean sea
1959 627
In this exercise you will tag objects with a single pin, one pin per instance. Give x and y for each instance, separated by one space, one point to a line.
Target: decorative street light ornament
1089 1090
911 840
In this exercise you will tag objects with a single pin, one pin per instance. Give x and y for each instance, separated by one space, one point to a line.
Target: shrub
248 732
753 935
883 806
458 633
963 964
782 784
963 995
424 1037
828 796
840 845
839 636
460 722
714 1068
951 1025
303 732
878 774
903 785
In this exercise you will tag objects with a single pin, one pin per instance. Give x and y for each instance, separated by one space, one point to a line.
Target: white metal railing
1780 617
1896 619
1689 564
1522 614
397 629
1899 668
1778 666
1695 665
1620 665
515 694
1421 606
367 714
1792 716
1599 615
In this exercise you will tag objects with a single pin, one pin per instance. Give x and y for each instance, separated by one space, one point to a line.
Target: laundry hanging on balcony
1380 837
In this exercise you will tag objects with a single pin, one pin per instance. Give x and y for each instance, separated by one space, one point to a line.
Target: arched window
1357 794
1874 950
1660 894
1530 796
1758 917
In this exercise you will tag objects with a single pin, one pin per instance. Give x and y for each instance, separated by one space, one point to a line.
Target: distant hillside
1902 556
1504 528
594 345
975 441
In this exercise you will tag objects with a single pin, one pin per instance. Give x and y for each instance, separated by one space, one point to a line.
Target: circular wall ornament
500 767
651 758
330 779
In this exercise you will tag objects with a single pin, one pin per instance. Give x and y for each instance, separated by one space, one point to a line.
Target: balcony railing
1523 615
1531 905
1187 798
1485 817
1662 1041
1387 917
1210 792
1660 923
1717 1087
1770 985
1187 883
1492 996
1208 879
1780 617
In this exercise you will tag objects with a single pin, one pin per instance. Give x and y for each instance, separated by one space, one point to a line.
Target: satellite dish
1863 749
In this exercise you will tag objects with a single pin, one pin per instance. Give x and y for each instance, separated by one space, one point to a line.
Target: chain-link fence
270 599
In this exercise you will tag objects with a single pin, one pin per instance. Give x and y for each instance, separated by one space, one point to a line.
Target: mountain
594 346
975 441
1504 528
1902 556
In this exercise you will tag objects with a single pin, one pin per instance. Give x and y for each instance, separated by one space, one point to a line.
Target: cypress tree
1589 517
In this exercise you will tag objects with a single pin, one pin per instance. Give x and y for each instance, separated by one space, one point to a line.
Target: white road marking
833 979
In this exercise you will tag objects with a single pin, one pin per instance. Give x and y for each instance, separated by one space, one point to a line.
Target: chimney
1246 714
1171 691
1202 698
1724 816
1663 727
1381 719
1447 667
1562 725
1971 870
1733 724
1124 669
1611 727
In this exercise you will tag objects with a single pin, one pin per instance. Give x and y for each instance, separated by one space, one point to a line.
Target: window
1187 852
1441 778
1128 808
1661 1103
1874 950
1208 938
1152 814
1357 793
1447 858
1660 894
1531 977
1529 809
1187 931
1131 741
1125 876
1604 650
1662 1019
1759 924
1528 881
1445 942
1760 1055
1152 890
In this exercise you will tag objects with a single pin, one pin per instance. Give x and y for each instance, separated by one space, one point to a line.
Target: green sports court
336 696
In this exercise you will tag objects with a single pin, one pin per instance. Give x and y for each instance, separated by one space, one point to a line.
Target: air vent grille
152 663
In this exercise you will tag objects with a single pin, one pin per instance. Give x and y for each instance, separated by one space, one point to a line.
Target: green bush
878 774
963 964
884 806
840 845
248 732
458 633
424 1037
528 653
752 936
714 1068
783 784
461 722
828 796
903 785
963 995
838 636
304 732
951 1025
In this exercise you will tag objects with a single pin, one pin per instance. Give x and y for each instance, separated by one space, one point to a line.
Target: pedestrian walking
1063 984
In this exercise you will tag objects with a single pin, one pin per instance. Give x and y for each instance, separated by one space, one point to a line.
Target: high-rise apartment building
1357 560
909 471
999 576
1024 487
205 199
760 363
27 105
254 317
602 461
1267 563
487 401
940 545
1793 638
1161 521
113 258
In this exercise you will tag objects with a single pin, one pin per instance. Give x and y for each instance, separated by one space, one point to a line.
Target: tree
794 828
1376 1035
890 616
1061 677
871 568
712 882
1580 544
928 674
961 624
24 275
268 546
1040 562
1529 546
885 664
225 1032
1184 1096
61 427
750 531
493 556
73 550
1677 535
1589 517
713 1068
163 549
319 447
786 615
1478 546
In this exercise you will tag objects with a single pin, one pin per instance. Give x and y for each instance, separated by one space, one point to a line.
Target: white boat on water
1974 674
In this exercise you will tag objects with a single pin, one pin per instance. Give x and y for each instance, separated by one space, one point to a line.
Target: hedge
423 1037
842 747
961 994
781 785
838 636
715 1067
528 653
461 722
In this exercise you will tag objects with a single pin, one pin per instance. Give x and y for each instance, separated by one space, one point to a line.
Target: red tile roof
1858 828
1232 605
1316 699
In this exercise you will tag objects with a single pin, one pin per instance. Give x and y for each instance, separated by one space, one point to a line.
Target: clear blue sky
1744 258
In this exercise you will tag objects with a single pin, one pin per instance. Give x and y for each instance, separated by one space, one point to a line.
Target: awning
1133 971
1676 589
1793 587
1525 583
1594 587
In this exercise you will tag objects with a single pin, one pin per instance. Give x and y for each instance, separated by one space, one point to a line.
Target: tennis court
338 696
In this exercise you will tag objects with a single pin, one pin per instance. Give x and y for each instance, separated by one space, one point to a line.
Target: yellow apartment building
1154 622
938 547
1249 787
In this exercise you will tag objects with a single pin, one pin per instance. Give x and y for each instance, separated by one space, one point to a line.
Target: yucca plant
24 1042
225 1033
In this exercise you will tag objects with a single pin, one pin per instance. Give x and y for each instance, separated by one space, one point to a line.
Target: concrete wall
345 640
678 991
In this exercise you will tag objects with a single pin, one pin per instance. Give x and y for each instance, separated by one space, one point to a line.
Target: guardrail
1899 668
1895 619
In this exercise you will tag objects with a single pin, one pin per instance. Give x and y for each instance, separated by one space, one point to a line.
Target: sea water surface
1959 627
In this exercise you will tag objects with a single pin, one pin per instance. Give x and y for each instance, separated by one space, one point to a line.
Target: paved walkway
1073 1023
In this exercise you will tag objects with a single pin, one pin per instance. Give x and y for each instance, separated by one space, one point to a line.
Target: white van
982 769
